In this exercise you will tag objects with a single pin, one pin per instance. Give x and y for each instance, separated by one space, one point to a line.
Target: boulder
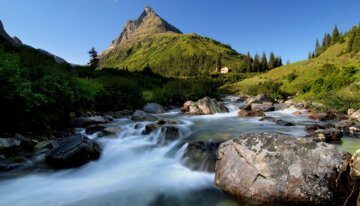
93 129
262 107
261 98
154 108
318 116
110 131
355 128
87 121
9 143
108 117
269 169
73 151
46 144
356 115
297 113
140 115
280 106
26 143
344 124
355 165
204 106
277 121
327 135
201 155
149 128
250 113
283 122
186 106
169 133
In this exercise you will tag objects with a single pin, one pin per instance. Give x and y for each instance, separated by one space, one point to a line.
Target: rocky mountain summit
149 23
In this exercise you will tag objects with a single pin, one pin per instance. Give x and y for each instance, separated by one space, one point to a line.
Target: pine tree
310 55
264 62
256 64
248 62
335 36
272 59
94 60
317 48
326 43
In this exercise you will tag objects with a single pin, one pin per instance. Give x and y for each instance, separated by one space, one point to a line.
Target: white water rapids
133 170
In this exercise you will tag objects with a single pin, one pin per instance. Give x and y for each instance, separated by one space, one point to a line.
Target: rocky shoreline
258 168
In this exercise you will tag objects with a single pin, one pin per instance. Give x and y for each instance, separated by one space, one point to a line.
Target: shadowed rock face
14 41
263 169
73 151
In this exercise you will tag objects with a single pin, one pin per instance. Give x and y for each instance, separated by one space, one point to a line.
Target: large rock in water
140 115
201 155
73 151
355 165
261 98
266 169
154 108
204 106
87 121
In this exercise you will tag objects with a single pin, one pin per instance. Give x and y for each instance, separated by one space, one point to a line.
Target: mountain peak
148 10
149 23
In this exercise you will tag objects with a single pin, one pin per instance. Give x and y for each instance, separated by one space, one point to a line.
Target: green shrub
271 88
176 92
291 77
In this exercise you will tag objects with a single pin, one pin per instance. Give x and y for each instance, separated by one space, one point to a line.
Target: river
134 170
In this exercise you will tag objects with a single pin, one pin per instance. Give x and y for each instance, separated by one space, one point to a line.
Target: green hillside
173 55
332 79
151 41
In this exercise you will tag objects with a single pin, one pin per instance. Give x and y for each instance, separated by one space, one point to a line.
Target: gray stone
73 151
201 155
140 115
355 165
327 135
9 143
268 169
266 107
204 106
87 121
154 108
261 98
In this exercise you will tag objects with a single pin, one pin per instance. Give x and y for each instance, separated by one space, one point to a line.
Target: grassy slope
307 72
158 49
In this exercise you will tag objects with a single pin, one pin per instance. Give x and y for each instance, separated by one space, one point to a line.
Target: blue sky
69 28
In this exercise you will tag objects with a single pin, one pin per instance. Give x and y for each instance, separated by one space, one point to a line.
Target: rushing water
135 170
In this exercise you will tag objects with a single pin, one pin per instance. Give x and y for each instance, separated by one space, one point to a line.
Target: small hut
225 70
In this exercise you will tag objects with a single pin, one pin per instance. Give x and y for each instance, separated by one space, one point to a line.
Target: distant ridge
17 42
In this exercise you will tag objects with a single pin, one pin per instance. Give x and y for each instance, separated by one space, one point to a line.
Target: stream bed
135 170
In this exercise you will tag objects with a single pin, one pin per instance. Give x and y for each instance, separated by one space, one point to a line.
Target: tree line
354 39
261 64
327 41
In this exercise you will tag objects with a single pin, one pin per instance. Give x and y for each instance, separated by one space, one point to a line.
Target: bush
176 92
271 88
291 77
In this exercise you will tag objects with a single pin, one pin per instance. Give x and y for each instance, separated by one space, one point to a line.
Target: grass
172 54
301 79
